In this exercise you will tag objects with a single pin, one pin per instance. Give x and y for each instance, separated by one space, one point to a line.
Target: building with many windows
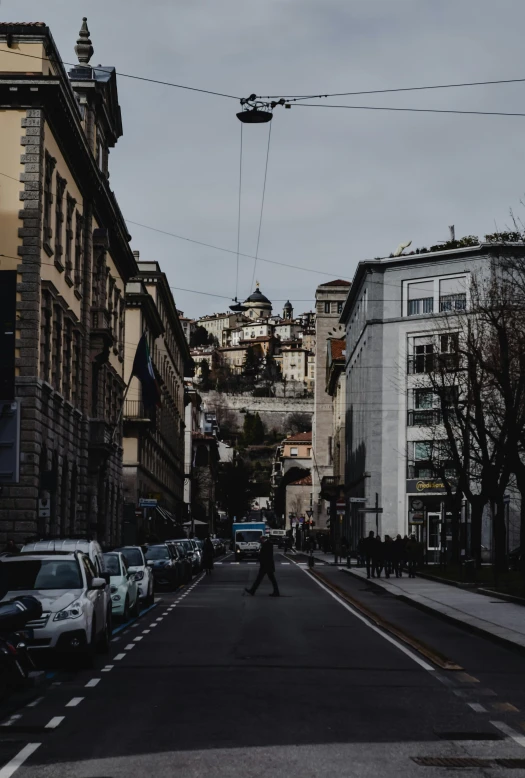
66 258
401 319
154 439
330 298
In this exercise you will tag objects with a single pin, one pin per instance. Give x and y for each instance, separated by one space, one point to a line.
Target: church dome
258 297
288 305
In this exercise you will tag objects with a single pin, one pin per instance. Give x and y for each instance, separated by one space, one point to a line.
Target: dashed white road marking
476 707
146 631
94 682
139 637
159 619
119 656
74 701
18 760
519 739
129 646
12 719
114 640
107 668
35 702
55 721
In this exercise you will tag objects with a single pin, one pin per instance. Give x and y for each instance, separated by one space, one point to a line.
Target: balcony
101 335
453 302
331 486
101 441
424 417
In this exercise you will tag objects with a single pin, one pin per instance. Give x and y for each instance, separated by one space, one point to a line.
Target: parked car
187 565
136 562
191 553
124 589
75 616
198 550
219 546
166 566
91 548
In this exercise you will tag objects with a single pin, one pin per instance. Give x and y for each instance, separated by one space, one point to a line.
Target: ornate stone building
154 438
62 233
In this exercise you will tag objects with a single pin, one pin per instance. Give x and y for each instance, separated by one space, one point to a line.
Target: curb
456 622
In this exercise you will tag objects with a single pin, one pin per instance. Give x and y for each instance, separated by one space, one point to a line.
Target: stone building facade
330 298
154 438
63 234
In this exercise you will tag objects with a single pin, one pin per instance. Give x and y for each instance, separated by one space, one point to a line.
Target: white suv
143 574
75 616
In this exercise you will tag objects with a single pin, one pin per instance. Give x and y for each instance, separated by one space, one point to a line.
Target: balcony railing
424 417
420 306
453 302
134 409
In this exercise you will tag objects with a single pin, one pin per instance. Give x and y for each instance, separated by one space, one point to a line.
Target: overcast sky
343 185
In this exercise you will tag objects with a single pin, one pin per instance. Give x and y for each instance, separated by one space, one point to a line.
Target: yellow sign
429 486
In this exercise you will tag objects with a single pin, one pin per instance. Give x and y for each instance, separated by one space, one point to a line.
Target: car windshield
157 552
133 556
42 574
112 564
248 536
186 545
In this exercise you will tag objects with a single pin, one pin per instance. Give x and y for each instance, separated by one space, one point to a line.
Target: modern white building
399 317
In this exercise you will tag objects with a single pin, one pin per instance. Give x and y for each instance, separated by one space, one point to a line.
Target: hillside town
356 438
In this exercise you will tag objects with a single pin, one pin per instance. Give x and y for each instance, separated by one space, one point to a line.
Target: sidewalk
505 621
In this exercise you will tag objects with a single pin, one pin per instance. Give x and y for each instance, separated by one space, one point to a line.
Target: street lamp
256 111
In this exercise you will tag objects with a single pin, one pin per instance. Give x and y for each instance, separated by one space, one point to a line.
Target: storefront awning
165 514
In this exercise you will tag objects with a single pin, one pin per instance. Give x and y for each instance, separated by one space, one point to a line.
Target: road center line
35 702
107 668
146 631
476 707
18 760
94 682
74 701
119 656
129 646
55 721
139 637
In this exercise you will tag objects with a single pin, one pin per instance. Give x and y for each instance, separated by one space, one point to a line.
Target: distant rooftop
338 282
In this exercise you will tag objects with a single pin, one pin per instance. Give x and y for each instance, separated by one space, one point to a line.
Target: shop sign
425 486
417 518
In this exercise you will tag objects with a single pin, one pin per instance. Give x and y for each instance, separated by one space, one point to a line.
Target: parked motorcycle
15 660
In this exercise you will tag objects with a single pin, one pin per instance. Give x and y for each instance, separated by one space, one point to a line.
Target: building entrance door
434 531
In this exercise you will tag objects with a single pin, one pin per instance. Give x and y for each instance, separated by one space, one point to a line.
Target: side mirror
105 576
98 583
150 562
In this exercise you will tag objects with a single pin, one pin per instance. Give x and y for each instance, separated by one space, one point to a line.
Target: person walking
412 555
388 555
399 554
266 567
369 548
208 552
379 555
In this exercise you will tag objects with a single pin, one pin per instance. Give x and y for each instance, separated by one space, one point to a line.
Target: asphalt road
213 682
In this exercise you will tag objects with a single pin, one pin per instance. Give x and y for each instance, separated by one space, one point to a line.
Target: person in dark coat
266 567
369 547
388 555
208 552
412 556
379 555
399 556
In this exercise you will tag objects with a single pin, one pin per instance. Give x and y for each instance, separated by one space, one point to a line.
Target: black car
185 559
166 566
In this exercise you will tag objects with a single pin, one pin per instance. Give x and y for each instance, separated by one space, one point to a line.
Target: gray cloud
342 185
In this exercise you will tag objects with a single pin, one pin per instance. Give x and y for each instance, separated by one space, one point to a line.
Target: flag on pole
143 370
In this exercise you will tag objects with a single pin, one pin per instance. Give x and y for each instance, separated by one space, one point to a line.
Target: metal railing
424 417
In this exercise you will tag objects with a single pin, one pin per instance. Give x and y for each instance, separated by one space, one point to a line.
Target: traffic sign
144 502
44 508
370 510
357 499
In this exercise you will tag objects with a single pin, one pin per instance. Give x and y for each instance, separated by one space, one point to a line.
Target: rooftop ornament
84 47
256 111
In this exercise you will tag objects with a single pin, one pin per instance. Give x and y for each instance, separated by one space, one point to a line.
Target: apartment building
400 316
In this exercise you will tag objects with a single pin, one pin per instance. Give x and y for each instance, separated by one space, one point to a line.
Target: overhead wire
106 69
239 222
409 110
262 204
295 98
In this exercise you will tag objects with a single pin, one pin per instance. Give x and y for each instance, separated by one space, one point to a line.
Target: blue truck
246 538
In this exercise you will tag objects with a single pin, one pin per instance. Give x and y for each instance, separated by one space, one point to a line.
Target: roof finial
84 47
257 284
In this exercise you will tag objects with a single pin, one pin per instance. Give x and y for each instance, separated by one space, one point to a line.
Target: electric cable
294 98
239 222
107 69
409 110
262 205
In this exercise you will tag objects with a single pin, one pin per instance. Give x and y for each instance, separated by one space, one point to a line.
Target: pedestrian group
390 555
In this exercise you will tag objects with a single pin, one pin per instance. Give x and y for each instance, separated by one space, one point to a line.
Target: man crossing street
266 567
